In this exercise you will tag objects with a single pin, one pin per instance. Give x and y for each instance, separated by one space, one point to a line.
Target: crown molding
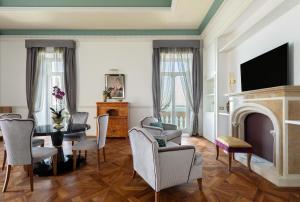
8 4
86 3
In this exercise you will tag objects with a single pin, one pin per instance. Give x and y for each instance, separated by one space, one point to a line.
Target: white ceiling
184 14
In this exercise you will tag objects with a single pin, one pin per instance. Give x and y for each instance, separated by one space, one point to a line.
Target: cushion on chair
232 142
41 153
157 124
89 144
37 142
161 142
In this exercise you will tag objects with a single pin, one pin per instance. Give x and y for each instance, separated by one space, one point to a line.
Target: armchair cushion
161 142
157 124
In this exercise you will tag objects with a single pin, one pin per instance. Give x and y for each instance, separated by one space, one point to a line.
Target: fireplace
258 133
261 117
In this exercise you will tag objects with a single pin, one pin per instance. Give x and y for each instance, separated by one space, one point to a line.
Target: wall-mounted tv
267 70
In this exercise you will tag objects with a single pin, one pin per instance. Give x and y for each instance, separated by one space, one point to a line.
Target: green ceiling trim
85 3
211 12
96 32
117 32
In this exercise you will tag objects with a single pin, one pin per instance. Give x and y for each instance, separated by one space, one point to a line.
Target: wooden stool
233 145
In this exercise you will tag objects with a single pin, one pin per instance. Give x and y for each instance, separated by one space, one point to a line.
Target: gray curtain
31 78
70 70
156 82
197 87
70 78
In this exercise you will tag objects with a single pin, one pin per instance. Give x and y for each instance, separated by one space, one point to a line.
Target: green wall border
96 32
85 3
118 32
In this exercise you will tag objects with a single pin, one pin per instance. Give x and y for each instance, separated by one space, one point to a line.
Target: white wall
282 30
95 56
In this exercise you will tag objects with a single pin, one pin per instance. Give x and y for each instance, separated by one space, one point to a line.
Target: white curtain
50 73
167 66
176 62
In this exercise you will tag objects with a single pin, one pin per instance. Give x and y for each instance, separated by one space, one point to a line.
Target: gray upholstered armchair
169 132
163 167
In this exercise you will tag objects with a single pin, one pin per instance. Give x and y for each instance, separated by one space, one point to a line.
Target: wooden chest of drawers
118 117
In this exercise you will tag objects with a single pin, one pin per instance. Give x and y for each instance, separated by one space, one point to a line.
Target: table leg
57 140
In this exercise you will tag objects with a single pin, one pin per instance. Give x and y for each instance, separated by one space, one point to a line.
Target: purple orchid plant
59 95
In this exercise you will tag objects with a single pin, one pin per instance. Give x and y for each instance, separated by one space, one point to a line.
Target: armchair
169 132
163 167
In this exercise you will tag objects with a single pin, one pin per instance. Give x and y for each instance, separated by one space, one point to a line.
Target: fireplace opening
258 129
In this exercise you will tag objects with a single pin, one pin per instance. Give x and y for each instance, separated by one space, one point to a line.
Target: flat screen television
267 70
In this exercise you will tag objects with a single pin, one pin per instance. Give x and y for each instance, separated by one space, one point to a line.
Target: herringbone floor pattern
113 183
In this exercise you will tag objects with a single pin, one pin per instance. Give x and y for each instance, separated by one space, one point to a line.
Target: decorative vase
104 98
58 122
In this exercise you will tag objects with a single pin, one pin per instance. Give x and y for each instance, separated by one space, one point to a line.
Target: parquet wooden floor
113 183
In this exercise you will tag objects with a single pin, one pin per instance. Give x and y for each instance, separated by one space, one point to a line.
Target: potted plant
106 94
57 113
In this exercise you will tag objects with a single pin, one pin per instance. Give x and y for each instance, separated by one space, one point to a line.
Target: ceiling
106 17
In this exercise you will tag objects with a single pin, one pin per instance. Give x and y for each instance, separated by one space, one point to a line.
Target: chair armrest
155 131
169 126
176 148
175 164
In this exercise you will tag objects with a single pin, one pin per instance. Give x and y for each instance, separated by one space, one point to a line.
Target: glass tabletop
45 130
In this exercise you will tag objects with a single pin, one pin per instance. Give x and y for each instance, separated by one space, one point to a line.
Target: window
50 73
175 73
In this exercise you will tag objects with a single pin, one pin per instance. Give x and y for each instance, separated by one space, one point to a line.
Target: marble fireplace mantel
281 104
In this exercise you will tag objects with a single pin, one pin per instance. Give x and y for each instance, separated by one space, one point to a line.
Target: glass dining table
64 162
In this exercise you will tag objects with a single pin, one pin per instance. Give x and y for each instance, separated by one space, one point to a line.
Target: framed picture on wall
115 83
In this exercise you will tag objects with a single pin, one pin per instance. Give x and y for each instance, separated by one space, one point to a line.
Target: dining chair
77 118
35 141
95 144
17 134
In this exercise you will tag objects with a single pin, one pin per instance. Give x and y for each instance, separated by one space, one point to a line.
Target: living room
118 51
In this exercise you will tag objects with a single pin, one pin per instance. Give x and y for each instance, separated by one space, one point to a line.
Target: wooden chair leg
42 145
4 159
200 183
133 174
104 156
74 159
229 161
72 143
249 160
8 169
156 196
98 159
85 154
30 176
217 149
54 159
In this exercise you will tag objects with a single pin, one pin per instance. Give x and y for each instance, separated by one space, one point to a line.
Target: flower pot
104 98
58 121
